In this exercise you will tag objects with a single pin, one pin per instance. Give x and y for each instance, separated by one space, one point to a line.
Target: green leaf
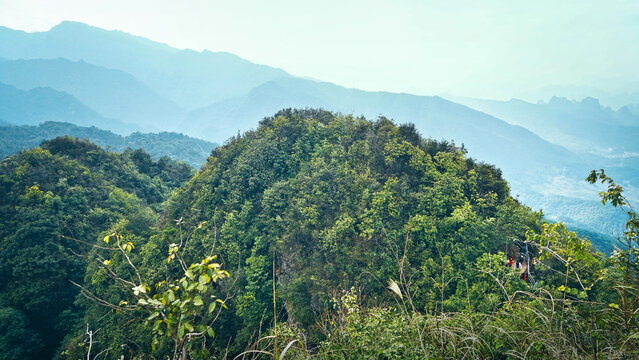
180 332
156 325
212 307
210 332
198 301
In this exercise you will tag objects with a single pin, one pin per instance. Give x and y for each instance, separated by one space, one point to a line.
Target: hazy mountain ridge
434 116
112 93
602 137
622 92
583 126
189 78
32 107
176 146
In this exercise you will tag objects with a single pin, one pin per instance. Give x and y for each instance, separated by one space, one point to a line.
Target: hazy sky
494 49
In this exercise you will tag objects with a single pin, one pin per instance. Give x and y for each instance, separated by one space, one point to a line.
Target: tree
182 308
17 340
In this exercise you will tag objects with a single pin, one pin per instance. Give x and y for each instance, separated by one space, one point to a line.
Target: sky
475 48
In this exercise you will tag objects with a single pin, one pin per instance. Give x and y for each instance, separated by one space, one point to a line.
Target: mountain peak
558 100
75 27
66 24
591 101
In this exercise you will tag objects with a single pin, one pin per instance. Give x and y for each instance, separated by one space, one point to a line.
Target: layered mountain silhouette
582 126
42 104
215 95
189 78
112 93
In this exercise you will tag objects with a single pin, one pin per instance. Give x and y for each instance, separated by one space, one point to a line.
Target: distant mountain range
613 98
190 79
112 93
40 104
176 146
101 75
582 126
600 136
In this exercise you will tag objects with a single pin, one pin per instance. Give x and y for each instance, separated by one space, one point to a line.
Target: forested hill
362 238
176 146
336 202
48 195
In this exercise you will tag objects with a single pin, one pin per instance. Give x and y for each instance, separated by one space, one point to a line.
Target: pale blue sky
491 49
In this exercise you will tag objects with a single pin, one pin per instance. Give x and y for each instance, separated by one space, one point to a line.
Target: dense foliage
52 199
333 237
335 202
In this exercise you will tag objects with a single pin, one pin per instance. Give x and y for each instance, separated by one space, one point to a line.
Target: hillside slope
54 200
